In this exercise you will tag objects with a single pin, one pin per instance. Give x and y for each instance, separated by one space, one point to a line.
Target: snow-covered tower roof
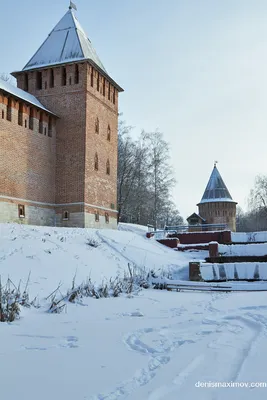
216 189
67 42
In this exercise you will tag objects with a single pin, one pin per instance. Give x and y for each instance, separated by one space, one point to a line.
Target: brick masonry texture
219 213
60 170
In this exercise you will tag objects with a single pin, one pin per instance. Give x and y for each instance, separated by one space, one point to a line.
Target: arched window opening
65 215
107 218
21 211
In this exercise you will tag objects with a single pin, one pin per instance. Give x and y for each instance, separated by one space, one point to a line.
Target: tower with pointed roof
217 205
66 77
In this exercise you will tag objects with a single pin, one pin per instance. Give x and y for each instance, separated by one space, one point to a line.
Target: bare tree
126 166
145 179
258 195
255 219
160 173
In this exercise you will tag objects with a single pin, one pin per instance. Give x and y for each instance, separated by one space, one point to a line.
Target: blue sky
193 69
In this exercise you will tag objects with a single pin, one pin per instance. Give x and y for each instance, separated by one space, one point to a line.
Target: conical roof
216 189
67 42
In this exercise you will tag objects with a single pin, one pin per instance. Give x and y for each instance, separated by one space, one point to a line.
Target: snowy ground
157 345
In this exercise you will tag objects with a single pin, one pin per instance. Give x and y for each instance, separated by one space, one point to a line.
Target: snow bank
230 271
56 255
251 249
153 346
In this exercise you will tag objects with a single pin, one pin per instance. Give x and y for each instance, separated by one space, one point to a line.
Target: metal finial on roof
72 5
215 164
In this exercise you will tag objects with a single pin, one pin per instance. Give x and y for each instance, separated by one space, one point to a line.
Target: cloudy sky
193 69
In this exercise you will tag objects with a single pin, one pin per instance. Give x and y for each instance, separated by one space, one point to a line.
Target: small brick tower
68 78
217 205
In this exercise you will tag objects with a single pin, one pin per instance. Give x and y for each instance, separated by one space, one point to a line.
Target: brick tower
217 205
68 78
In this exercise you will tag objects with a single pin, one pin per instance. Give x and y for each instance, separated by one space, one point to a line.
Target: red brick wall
100 188
68 103
78 106
27 157
219 213
205 237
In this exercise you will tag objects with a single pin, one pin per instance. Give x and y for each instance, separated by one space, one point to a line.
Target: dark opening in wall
108 168
50 126
21 211
92 77
41 123
9 109
65 215
51 78
109 133
77 74
20 114
64 77
97 84
97 126
39 80
31 119
26 82
96 162
104 87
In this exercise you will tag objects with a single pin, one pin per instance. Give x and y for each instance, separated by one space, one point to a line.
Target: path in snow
182 353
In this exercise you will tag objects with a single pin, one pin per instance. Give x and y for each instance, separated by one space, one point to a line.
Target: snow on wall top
216 189
248 237
67 42
232 271
21 94
252 249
